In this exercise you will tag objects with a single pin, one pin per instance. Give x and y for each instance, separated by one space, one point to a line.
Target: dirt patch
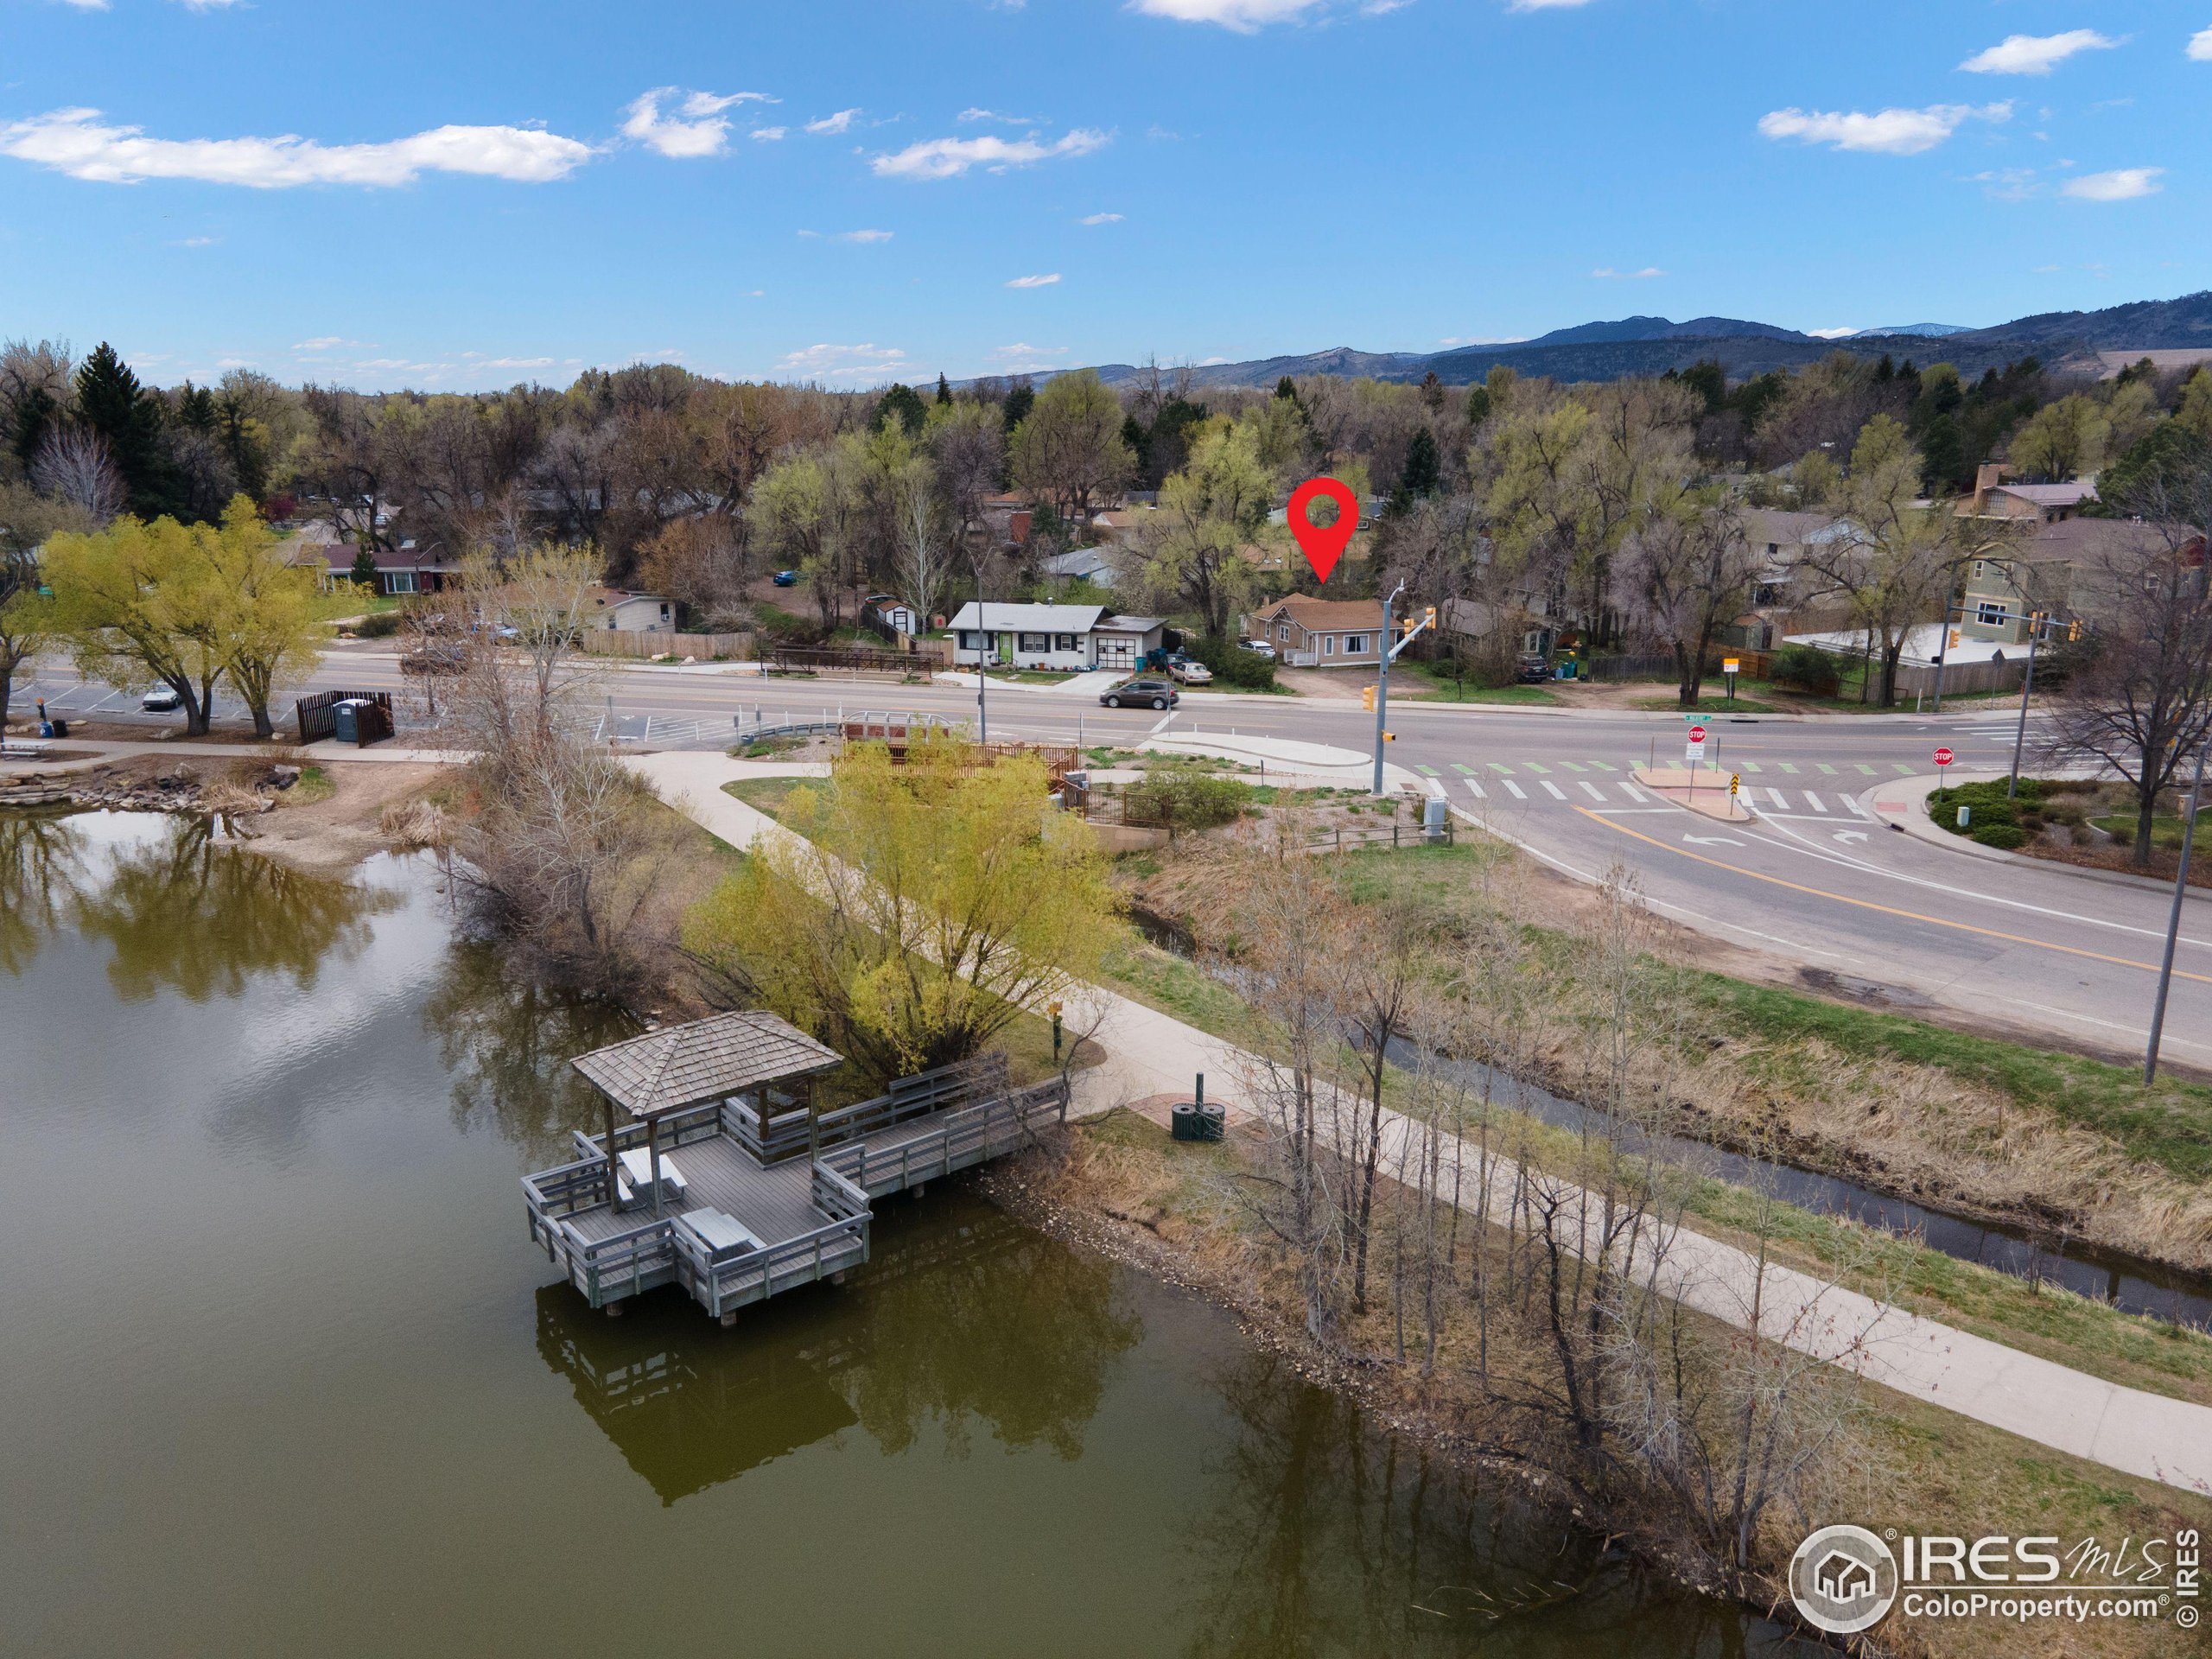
332 835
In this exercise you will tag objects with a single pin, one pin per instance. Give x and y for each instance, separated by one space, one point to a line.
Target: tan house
1309 632
2048 504
2063 570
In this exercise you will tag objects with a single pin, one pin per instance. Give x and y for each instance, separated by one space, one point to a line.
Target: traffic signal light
2074 629
1367 699
1428 617
1955 636
1389 737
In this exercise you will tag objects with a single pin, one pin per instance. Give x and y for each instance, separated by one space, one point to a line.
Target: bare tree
72 465
1685 573
2139 696
924 556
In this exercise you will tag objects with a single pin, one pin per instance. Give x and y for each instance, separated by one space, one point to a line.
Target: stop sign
1942 757
1697 734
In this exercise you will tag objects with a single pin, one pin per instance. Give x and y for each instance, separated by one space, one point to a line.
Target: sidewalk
1150 1053
102 751
1903 805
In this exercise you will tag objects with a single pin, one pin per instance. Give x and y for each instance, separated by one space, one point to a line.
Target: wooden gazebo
700 1063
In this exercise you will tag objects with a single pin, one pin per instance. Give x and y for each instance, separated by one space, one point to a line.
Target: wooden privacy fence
639 642
856 660
318 716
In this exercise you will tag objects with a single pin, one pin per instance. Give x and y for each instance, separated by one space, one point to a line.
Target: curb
1914 822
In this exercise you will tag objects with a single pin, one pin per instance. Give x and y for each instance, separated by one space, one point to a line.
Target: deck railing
624 1264
960 1138
788 1134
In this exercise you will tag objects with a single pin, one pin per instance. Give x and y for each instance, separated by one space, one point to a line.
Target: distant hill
1606 351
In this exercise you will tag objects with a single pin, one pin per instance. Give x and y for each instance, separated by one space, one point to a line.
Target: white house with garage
1074 638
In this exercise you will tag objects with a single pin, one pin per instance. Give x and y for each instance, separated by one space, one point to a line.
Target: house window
1064 642
1282 633
968 640
1328 645
1992 613
1355 644
1977 567
1034 642
399 581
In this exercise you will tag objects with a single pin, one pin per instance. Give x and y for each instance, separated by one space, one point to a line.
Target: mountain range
1606 351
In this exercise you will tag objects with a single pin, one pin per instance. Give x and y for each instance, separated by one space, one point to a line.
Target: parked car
1533 670
1265 648
786 578
1159 694
1191 672
162 700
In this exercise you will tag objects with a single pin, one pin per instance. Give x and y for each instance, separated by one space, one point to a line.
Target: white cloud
768 135
2010 183
1100 218
77 143
993 115
946 158
1244 17
1482 339
195 242
1021 359
89 5
2036 54
1887 132
1035 282
850 363
697 128
841 122
205 5
326 342
863 236
513 362
1546 5
2199 45
1022 348
1606 273
2121 184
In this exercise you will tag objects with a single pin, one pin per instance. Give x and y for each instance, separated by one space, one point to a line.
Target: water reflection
963 1318
1328 1536
39 857
507 1041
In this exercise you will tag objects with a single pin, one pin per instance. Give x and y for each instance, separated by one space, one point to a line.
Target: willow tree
142 605
912 911
270 627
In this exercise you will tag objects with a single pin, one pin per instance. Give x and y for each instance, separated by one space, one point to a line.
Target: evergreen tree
240 436
904 402
33 414
944 390
1478 406
195 408
1139 442
364 567
1424 473
110 401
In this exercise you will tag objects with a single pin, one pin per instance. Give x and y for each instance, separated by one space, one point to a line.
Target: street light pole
982 644
2027 685
1382 681
2173 921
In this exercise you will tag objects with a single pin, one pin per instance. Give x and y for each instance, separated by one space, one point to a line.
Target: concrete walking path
1150 1053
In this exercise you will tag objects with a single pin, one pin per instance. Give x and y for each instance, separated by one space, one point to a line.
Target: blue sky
466 195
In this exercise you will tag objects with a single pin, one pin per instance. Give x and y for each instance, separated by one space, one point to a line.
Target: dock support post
729 1318
614 1310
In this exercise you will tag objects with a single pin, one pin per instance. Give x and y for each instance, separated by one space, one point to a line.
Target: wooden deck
807 1201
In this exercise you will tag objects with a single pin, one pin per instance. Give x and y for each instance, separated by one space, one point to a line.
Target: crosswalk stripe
1780 800
1516 790
1825 767
1535 765
1571 765
1633 792
1499 765
1789 768
1863 767
1814 801
1465 772
1554 790
1857 812
1426 772
1477 789
1751 766
1605 765
1900 766
1593 791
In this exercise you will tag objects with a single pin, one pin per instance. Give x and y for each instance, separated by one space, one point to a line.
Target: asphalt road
1813 880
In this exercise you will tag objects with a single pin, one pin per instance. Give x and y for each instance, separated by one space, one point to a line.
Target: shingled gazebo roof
703 1061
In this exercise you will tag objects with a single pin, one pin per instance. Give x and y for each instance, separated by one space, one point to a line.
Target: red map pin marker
1323 544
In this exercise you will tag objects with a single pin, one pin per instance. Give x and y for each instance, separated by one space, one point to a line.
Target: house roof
2049 495
1787 529
1039 618
702 1060
1131 624
1312 614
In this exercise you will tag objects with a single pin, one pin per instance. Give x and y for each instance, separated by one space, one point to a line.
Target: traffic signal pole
2027 685
2173 921
1389 654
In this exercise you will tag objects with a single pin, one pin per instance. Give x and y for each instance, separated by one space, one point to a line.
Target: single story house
1309 632
1080 564
1071 636
634 613
403 569
2050 504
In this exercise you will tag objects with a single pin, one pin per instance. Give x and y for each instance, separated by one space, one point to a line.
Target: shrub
1182 797
2006 835
382 625
1233 665
1807 669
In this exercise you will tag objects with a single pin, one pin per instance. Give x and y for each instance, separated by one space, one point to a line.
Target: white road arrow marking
1851 835
1713 840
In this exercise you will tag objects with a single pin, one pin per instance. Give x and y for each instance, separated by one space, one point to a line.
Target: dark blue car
786 578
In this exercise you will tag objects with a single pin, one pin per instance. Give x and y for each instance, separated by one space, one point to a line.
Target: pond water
283 1376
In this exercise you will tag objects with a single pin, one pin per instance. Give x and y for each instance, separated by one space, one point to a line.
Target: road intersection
1815 881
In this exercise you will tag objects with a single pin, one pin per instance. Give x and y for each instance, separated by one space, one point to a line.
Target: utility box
1435 818
1965 816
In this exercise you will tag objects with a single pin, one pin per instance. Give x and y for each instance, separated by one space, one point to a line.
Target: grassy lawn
2165 830
767 794
1432 687
1709 702
314 786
